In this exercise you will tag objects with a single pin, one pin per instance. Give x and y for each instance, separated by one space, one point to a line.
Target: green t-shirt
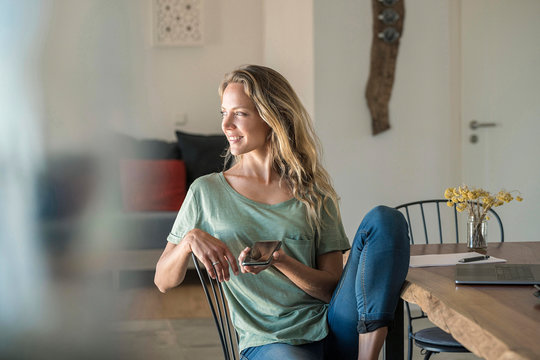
267 307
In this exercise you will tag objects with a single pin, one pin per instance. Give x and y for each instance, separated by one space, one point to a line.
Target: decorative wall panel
177 22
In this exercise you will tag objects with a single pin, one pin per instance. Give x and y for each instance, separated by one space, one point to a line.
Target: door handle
475 124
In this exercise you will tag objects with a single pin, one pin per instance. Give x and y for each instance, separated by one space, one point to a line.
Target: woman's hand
213 253
255 269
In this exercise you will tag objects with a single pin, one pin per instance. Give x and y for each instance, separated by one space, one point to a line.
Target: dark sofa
162 171
147 180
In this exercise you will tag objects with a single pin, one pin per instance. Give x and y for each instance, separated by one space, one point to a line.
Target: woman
276 189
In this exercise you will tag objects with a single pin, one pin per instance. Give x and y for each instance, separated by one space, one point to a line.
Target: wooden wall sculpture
388 16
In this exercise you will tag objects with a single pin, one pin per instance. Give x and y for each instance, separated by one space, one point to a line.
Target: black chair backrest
218 305
437 222
433 221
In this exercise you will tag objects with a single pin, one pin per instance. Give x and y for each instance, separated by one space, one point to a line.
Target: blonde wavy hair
293 144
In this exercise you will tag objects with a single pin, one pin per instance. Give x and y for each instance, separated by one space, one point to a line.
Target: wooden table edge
454 323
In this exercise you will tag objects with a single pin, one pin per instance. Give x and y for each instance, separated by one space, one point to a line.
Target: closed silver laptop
498 274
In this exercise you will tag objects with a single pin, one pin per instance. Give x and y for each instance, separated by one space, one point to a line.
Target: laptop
498 274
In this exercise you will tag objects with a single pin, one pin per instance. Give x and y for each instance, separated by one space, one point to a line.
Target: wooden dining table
492 321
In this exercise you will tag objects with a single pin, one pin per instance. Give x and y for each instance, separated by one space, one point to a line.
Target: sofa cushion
201 153
137 230
152 185
66 186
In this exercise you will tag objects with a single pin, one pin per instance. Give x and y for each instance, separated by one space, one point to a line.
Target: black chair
436 220
218 305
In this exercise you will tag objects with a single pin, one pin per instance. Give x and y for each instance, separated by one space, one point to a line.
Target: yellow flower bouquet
478 202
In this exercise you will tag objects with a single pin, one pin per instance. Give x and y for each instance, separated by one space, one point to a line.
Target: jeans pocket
248 353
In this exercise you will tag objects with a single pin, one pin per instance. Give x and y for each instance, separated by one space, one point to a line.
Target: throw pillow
201 153
152 185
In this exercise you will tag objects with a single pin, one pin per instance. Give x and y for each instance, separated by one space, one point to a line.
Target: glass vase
476 233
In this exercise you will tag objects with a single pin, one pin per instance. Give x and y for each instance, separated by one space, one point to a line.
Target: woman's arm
319 283
172 265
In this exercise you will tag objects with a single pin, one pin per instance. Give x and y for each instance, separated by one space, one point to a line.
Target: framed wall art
177 22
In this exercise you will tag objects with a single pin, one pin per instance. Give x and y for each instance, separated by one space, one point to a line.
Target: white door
501 85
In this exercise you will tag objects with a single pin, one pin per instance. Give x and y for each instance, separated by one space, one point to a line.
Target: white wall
288 45
418 157
101 70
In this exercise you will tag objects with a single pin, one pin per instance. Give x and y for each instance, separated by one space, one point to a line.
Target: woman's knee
389 221
388 217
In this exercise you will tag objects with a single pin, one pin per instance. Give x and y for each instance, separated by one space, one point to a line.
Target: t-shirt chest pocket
300 249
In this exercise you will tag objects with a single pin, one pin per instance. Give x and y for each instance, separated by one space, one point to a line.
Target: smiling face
241 122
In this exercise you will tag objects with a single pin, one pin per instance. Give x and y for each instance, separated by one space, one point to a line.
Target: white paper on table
449 259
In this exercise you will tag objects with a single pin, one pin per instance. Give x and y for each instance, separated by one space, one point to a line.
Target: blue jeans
311 351
367 294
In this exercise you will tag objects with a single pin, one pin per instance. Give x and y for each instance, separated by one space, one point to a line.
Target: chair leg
428 355
409 355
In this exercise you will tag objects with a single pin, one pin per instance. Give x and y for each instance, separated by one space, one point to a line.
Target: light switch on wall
180 120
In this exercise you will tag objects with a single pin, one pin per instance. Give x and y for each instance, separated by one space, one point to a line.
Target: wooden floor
145 301
178 325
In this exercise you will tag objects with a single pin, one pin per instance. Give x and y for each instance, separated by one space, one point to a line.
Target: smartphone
261 253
